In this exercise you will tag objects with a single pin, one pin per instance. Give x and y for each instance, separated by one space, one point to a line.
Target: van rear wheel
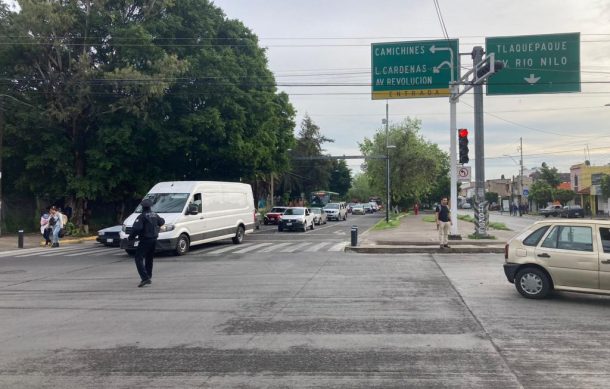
239 235
182 245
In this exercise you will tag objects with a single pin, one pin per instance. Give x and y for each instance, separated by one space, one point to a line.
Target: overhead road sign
535 64
402 70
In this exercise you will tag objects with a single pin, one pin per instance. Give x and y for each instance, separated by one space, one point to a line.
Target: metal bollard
20 239
354 236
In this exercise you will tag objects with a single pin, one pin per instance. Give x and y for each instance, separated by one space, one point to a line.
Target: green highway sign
401 70
535 64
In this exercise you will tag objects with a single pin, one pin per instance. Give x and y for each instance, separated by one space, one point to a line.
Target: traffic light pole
453 99
481 212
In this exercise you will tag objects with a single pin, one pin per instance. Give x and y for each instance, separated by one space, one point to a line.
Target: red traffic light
463 133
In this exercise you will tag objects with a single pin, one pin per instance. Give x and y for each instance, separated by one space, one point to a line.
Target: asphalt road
288 318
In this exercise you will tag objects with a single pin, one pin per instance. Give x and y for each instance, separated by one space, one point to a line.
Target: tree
121 95
360 190
491 197
541 193
563 195
340 177
314 174
417 166
549 175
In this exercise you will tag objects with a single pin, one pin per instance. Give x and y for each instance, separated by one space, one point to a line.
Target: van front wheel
239 235
182 245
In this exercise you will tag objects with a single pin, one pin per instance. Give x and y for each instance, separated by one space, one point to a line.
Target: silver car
319 216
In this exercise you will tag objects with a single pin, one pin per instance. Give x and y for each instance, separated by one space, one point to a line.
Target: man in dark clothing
443 222
146 227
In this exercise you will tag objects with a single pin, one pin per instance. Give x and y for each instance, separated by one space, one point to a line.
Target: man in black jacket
146 227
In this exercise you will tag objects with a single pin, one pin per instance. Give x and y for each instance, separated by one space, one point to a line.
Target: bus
320 198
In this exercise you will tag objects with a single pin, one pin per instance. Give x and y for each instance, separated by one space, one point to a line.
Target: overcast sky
328 41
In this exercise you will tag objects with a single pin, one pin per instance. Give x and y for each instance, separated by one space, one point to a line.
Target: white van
197 212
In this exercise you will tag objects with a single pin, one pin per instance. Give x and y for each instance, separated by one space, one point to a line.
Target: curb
429 249
73 241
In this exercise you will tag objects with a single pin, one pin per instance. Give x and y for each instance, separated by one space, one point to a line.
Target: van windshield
166 202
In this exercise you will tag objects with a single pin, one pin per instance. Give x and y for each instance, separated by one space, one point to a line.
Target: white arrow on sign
437 69
531 79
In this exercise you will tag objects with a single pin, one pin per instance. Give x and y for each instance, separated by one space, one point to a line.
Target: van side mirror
193 209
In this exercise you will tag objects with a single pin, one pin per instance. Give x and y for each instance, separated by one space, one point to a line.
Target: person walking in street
146 228
56 222
443 222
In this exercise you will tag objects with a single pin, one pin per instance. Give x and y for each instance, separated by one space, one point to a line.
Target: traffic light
463 145
484 70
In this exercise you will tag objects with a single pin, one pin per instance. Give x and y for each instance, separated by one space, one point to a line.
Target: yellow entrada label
406 94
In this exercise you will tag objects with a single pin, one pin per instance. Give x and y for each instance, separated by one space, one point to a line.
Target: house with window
585 180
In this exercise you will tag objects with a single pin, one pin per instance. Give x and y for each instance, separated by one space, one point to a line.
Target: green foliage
111 97
491 197
541 193
549 175
309 174
564 195
361 189
418 168
340 177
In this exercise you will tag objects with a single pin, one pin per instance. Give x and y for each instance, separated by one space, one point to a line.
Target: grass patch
494 225
392 223
429 218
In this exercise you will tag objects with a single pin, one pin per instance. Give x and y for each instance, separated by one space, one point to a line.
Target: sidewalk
414 235
31 240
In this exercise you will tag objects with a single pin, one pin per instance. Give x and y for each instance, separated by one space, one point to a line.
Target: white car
296 218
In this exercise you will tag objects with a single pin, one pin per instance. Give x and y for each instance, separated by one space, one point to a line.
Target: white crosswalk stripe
275 247
294 248
87 252
225 249
251 247
338 247
316 247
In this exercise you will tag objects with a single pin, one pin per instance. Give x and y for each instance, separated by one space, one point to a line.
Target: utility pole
521 176
479 139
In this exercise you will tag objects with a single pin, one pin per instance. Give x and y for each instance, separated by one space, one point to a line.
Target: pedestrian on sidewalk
443 222
146 228
56 222
45 228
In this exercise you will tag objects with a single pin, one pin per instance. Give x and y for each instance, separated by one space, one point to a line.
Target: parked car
572 211
274 216
336 211
296 218
110 236
466 206
319 216
551 210
568 255
358 209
